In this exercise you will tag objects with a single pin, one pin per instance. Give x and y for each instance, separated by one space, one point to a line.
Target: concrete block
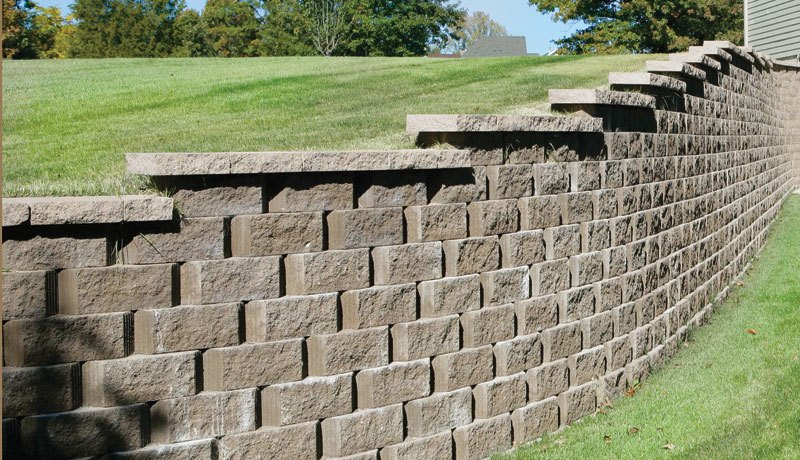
28 294
518 354
40 390
230 280
195 239
536 314
348 351
576 304
501 395
186 328
487 325
216 198
539 212
140 378
425 338
522 248
395 383
436 447
290 317
550 277
379 306
471 255
276 233
314 192
510 181
449 296
362 430
534 421
312 398
493 217
436 222
389 189
586 268
561 242
584 176
548 380
328 271
207 415
294 442
577 403
251 365
115 288
62 339
407 263
505 286
363 228
483 438
561 341
438 412
463 368
205 449
550 178
41 253
587 365
576 207
597 329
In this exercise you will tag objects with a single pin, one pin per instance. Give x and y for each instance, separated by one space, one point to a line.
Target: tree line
229 28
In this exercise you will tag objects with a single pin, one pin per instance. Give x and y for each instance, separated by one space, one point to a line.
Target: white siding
774 27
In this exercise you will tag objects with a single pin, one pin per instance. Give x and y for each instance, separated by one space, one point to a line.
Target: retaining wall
444 303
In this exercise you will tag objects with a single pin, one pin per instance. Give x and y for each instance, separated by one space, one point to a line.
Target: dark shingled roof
498 47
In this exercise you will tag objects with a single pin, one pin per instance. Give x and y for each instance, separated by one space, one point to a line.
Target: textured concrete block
518 354
140 378
550 277
577 402
457 186
364 228
314 192
436 222
537 314
618 352
186 328
576 207
522 248
425 338
40 390
449 296
561 341
561 242
436 447
362 430
388 189
493 217
28 294
87 431
276 233
505 286
509 181
608 294
295 442
312 398
576 304
75 210
551 178
115 288
147 208
207 415
463 368
251 365
586 268
547 380
501 395
290 317
195 239
487 325
16 211
471 255
212 198
439 412
584 176
587 365
407 263
348 351
328 271
395 383
535 420
230 280
483 438
379 306
205 449
597 329
40 253
61 339
539 212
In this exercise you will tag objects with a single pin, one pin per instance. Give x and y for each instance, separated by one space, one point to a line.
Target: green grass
68 123
727 394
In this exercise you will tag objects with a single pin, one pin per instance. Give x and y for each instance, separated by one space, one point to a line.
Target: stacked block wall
421 314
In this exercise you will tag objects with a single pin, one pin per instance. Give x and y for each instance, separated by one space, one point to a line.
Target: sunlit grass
68 123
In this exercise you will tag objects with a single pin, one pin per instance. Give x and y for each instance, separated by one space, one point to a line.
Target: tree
233 27
191 35
399 28
474 26
328 19
125 28
286 30
645 26
29 31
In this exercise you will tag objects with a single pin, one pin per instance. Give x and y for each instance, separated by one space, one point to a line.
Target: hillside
68 123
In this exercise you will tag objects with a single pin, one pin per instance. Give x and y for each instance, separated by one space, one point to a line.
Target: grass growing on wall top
68 123
729 394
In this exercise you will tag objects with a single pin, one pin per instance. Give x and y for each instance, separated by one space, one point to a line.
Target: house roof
497 47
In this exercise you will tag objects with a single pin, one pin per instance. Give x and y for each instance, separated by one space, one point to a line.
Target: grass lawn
68 123
728 394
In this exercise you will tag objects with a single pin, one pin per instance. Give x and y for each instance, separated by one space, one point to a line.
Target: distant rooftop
498 47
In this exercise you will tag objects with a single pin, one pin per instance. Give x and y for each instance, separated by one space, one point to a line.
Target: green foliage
647 26
286 30
125 28
191 33
233 27
29 31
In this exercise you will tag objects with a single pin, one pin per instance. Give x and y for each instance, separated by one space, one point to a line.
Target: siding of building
773 27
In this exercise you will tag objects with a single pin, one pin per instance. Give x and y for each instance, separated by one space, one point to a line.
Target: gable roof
498 47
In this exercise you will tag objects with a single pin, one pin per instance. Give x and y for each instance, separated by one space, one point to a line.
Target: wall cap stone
501 123
86 210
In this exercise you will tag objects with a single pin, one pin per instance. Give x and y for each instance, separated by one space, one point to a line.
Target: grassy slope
67 124
728 394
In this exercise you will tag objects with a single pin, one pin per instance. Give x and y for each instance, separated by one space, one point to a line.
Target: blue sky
516 15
